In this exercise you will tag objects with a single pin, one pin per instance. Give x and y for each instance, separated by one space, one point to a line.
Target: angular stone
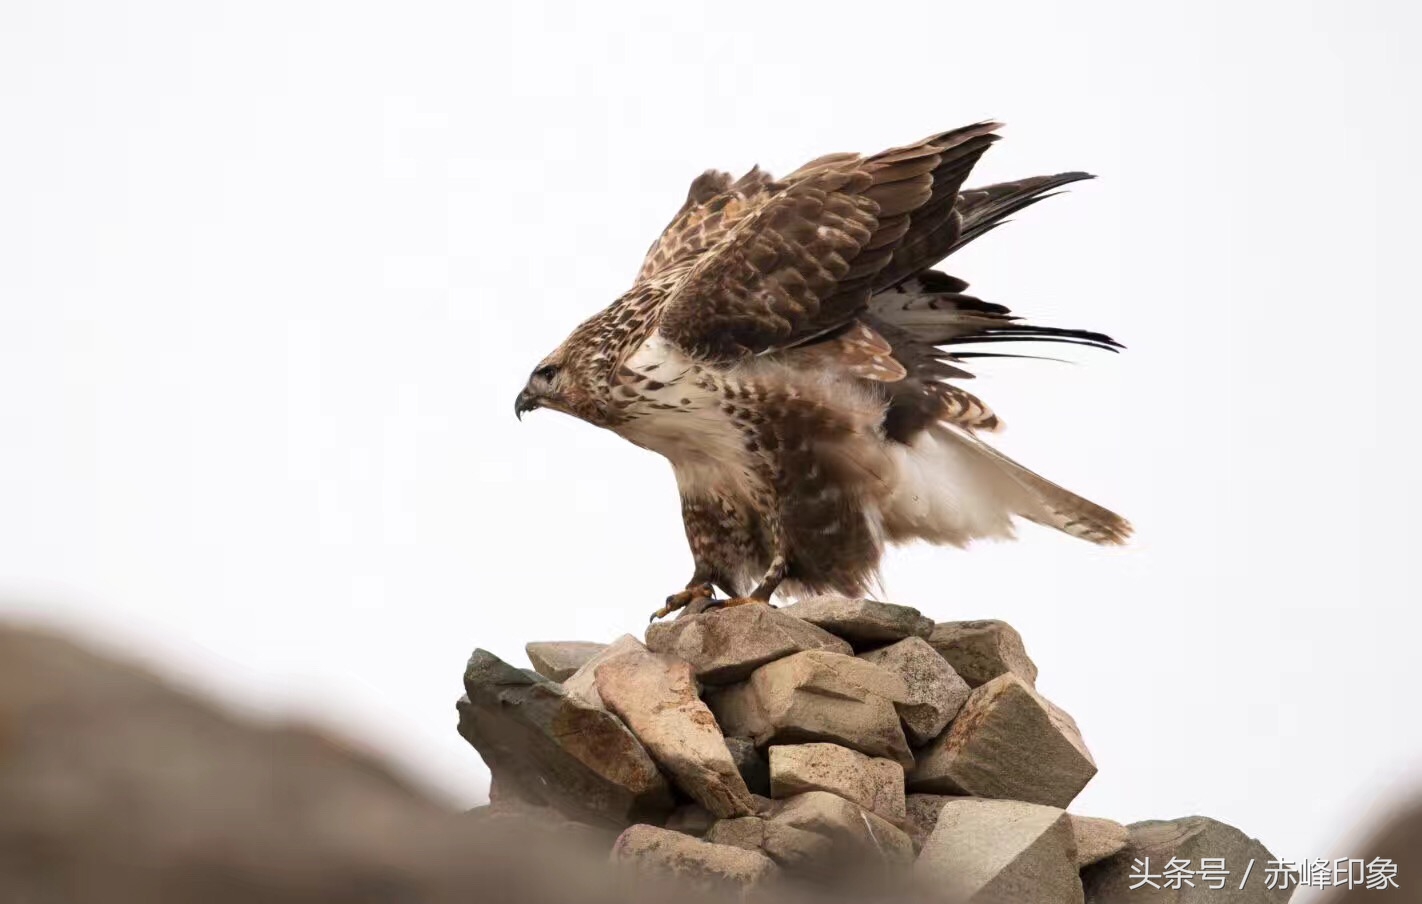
1000 852
1097 839
864 623
582 684
557 660
923 810
823 834
979 651
726 645
550 750
704 866
1190 838
656 696
743 832
935 692
874 783
751 763
1010 743
817 696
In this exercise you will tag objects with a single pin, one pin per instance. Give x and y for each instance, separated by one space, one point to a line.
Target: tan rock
819 833
751 763
1010 743
1000 852
550 750
743 832
582 684
922 811
979 651
656 696
726 645
862 622
817 696
874 783
702 865
1191 838
935 692
1097 839
557 660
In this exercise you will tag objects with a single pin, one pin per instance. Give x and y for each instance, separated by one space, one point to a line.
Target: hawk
789 348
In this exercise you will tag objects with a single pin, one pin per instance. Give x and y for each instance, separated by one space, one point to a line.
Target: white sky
273 273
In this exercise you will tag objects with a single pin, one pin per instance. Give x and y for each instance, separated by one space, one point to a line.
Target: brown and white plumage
789 348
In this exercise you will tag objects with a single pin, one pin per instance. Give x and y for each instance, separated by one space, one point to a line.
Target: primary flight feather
788 348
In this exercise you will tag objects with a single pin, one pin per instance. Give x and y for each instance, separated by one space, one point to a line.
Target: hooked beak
526 401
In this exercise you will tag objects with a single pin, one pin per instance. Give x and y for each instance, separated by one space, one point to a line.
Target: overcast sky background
272 274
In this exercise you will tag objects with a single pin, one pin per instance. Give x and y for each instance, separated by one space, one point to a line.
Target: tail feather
984 209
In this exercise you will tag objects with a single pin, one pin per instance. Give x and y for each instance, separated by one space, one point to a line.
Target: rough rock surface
1189 838
751 763
1000 852
727 645
823 834
743 832
864 623
552 750
817 696
656 696
922 811
1010 743
557 660
935 692
700 864
582 684
1097 839
874 783
979 651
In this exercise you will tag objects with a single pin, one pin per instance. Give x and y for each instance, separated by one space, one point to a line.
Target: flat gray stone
727 645
550 750
864 623
657 697
1097 839
817 696
1191 838
979 651
557 660
751 763
999 852
700 865
1007 743
935 692
582 684
874 783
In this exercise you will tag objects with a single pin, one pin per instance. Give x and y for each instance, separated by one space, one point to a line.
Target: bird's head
560 384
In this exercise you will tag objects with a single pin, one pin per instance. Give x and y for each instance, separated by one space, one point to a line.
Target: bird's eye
547 372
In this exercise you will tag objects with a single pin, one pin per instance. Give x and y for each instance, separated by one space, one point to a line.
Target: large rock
557 660
1097 839
864 623
582 684
743 832
1192 839
552 750
922 811
1000 852
699 864
817 696
935 692
1008 742
656 696
819 833
727 645
751 763
873 783
979 651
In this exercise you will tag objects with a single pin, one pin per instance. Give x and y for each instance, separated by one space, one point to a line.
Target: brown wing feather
803 262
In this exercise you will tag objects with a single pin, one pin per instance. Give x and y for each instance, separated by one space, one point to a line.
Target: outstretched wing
799 259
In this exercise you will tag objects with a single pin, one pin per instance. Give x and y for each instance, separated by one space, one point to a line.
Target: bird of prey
789 348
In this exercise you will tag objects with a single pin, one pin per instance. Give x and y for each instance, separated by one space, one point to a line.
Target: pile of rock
829 743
